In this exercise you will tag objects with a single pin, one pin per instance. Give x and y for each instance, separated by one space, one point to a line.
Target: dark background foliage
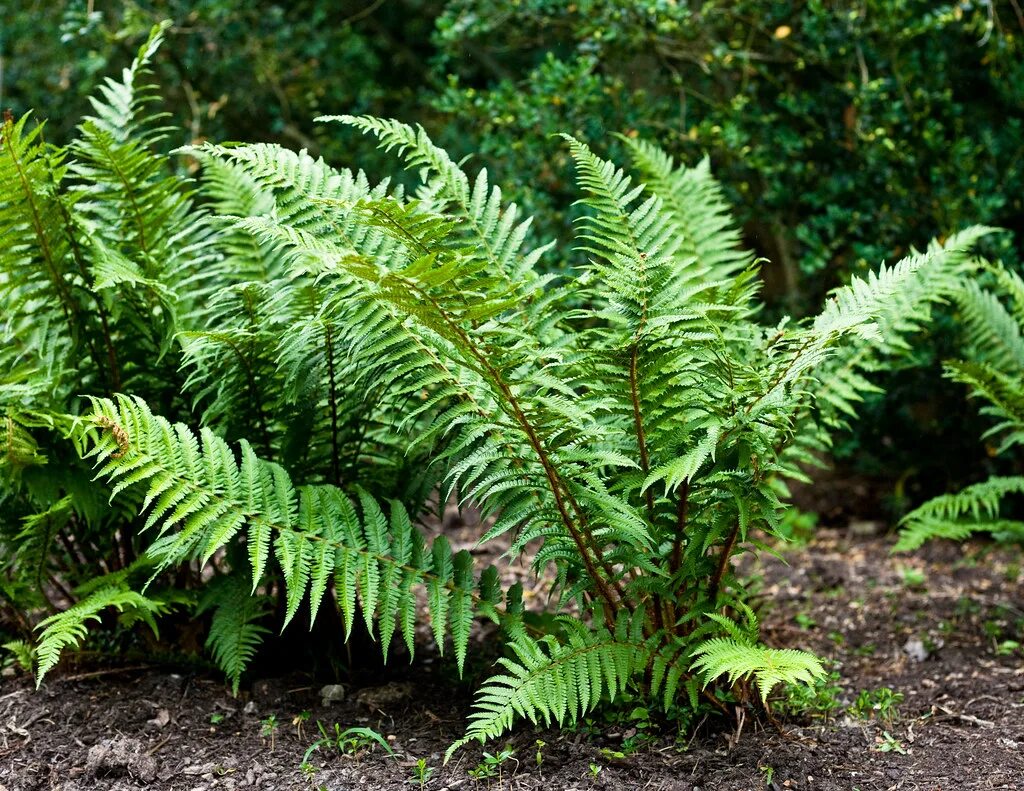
844 131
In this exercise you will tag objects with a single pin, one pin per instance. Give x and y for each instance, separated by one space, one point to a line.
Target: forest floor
932 627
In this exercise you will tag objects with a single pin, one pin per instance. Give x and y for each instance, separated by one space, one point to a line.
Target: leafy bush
274 352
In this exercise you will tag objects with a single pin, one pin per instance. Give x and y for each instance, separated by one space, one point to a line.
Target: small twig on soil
695 730
108 672
993 698
952 715
158 745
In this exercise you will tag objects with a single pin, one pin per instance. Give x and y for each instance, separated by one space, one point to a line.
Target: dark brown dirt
961 723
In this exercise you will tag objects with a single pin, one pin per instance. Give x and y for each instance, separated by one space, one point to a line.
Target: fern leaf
67 629
551 681
767 666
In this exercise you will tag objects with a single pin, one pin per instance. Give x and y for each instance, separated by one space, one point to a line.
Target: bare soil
937 641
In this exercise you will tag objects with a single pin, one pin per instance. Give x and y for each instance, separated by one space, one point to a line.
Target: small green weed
797 527
1007 647
817 701
540 745
881 704
350 741
887 743
268 729
490 766
868 649
299 721
966 607
912 578
804 621
421 773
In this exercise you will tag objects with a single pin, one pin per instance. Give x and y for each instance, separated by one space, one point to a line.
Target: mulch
937 634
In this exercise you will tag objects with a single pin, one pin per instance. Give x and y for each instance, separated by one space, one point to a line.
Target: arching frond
68 628
766 666
235 630
555 681
956 516
199 500
701 219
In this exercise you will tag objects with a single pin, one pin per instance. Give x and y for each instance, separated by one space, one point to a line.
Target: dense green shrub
252 368
230 69
839 129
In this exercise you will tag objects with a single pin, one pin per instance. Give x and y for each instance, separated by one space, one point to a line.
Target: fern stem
782 376
638 422
558 488
682 514
73 550
676 558
62 588
127 554
254 389
101 310
589 552
332 399
723 564
129 191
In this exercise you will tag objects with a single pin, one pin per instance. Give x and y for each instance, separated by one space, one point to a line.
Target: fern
992 333
556 681
68 628
768 667
24 654
527 443
235 632
267 372
198 498
846 377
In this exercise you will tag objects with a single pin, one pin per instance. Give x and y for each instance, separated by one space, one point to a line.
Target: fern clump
267 371
992 322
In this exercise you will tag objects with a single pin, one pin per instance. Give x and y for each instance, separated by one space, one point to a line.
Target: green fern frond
67 629
555 681
1012 284
199 500
235 632
18 448
973 509
24 654
766 666
991 332
487 229
1003 394
35 540
119 111
701 217
844 377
